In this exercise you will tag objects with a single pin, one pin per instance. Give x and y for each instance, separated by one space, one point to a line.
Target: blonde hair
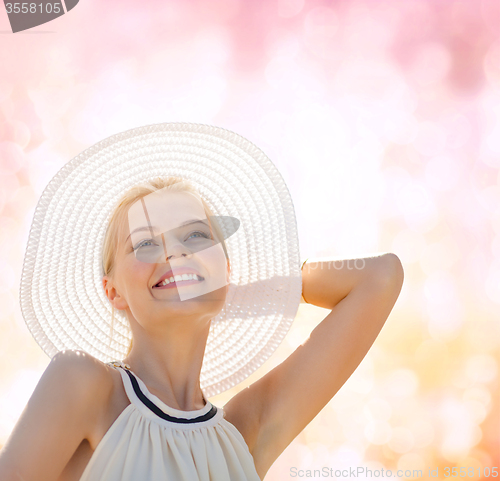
171 183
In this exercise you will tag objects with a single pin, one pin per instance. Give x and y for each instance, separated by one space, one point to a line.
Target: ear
112 294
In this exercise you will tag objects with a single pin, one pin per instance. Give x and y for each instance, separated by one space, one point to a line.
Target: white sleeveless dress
150 441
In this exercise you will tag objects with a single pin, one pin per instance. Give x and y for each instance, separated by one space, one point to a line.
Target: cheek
136 272
215 259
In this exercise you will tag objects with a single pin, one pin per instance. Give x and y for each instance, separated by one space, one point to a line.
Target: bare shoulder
98 386
79 362
90 376
65 408
91 379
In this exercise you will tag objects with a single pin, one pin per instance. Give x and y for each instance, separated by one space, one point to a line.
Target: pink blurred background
384 120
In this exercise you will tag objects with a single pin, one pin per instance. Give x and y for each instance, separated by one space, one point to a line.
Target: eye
143 243
198 234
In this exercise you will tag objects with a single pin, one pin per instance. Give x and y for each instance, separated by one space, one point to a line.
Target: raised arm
58 417
361 294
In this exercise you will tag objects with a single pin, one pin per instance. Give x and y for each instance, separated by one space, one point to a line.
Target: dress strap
139 395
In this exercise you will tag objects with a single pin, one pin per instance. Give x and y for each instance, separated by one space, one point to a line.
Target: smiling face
169 260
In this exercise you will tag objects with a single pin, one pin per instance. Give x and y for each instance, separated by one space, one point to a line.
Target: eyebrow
140 229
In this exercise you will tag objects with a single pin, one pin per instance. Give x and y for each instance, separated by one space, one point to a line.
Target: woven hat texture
61 293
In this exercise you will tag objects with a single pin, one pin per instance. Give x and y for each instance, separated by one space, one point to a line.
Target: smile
179 280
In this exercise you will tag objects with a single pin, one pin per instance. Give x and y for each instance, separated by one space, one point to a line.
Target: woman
205 280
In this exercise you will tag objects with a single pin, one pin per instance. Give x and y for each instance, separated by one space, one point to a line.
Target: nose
177 249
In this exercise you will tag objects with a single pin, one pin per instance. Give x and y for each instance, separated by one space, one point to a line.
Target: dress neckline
152 401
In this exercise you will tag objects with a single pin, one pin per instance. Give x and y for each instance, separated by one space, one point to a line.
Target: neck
170 366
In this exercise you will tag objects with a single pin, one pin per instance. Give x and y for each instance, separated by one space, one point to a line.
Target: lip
178 272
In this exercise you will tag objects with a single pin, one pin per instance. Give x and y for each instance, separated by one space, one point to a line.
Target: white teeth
183 277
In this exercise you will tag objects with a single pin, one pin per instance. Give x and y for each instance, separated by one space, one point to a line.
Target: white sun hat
61 293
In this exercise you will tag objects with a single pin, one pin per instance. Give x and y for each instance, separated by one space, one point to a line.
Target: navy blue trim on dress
153 407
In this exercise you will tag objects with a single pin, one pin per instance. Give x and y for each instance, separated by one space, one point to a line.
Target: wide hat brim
61 294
